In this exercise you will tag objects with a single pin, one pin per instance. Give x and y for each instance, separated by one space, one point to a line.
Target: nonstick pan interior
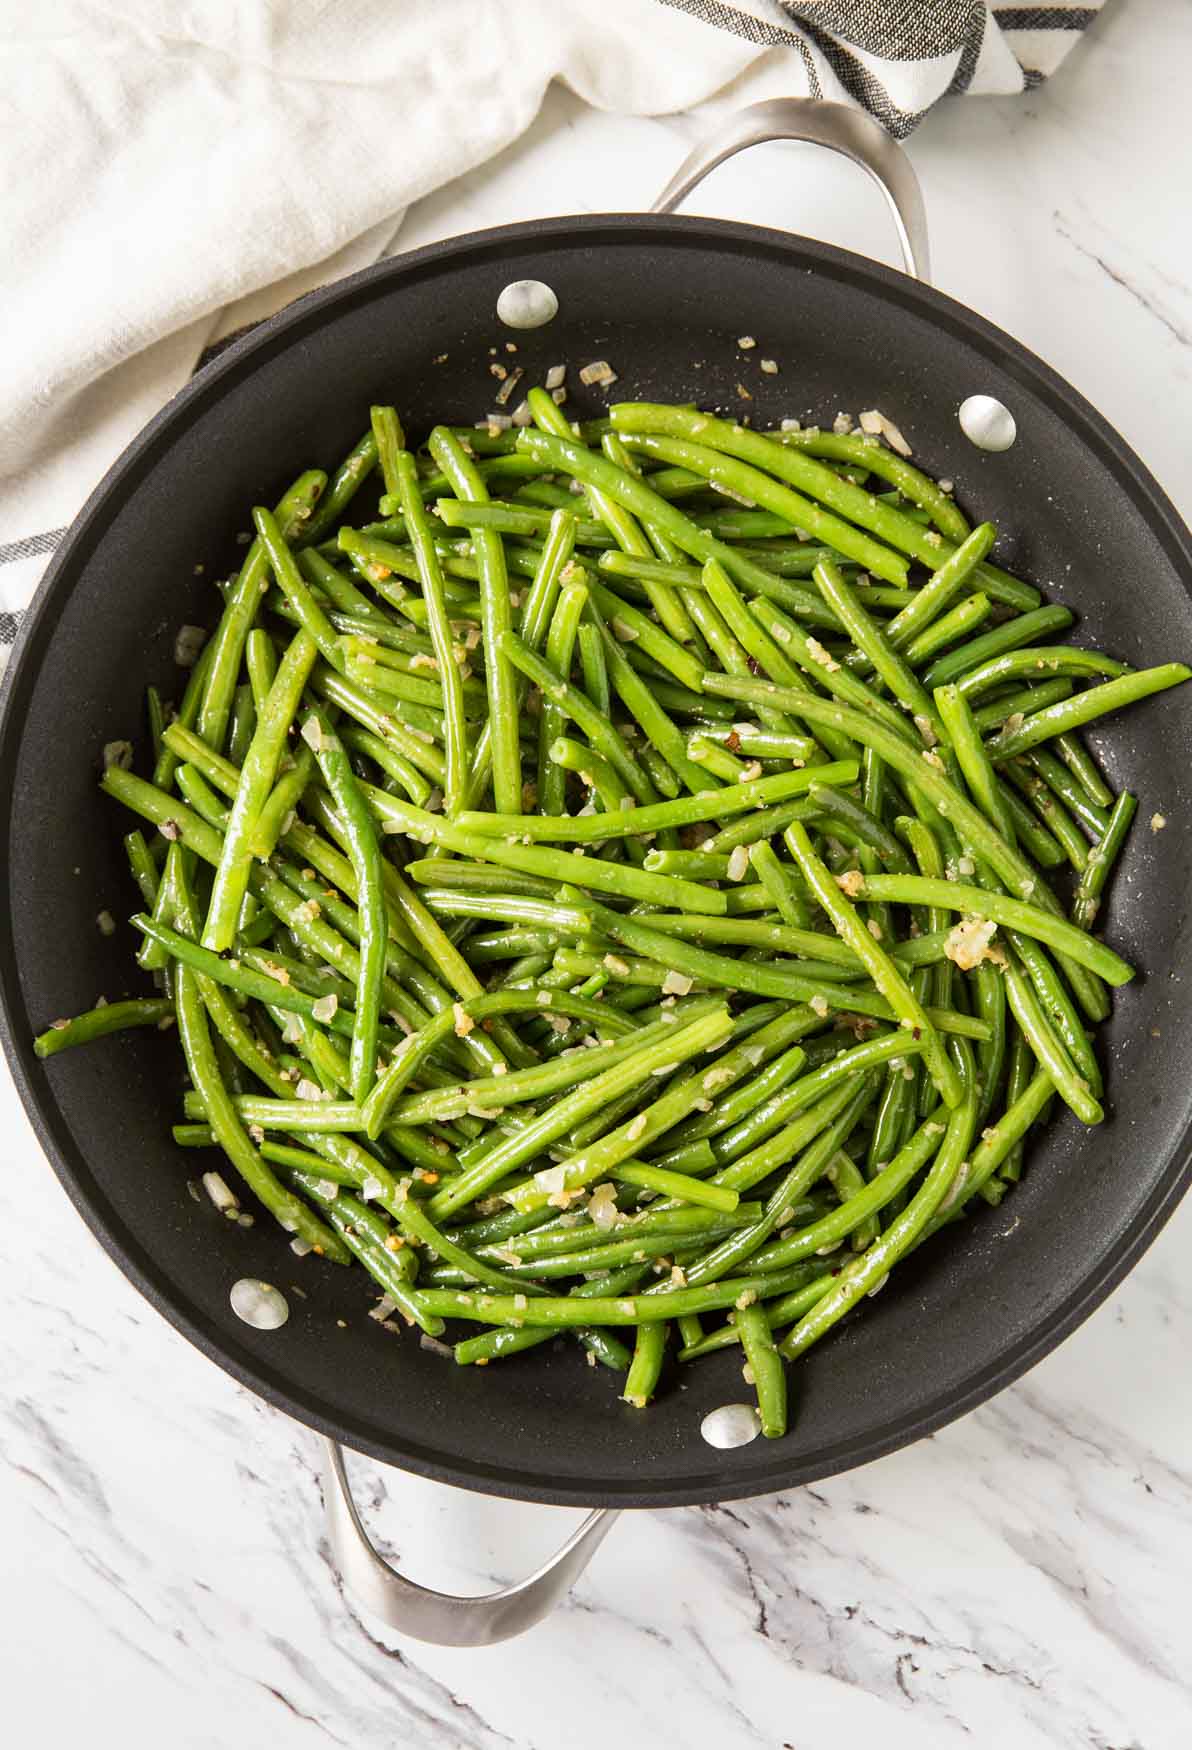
664 301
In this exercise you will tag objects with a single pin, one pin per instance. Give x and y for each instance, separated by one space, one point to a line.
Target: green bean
890 667
494 1309
513 1151
649 1352
958 725
862 1205
201 797
1013 869
764 1367
848 1181
867 1271
1034 839
226 648
1083 767
387 758
964 618
560 866
593 768
675 1185
419 1046
369 711
1016 914
165 763
1048 1048
630 624
733 459
220 1112
332 586
98 1023
560 645
496 621
277 813
730 1109
930 601
260 660
643 701
903 1003
684 811
980 653
390 442
1010 665
593 667
1086 707
759 579
366 1238
774 980
868 512
838 809
294 587
455 728
347 480
1051 811
762 824
637 497
1005 703
594 724
869 452
365 855
778 881
1069 790
1087 900
492 1344
256 777
234 975
732 1252
618 1144
142 866
243 721
996 1144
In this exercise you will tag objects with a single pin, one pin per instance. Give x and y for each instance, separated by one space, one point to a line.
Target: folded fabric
173 174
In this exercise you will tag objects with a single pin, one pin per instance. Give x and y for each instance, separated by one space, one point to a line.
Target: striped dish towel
174 175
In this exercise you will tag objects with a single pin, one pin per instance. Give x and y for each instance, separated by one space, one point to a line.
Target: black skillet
663 299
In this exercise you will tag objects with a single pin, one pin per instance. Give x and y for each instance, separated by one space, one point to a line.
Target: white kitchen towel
174 171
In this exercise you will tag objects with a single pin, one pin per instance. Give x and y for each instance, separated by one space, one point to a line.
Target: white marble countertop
1016 1580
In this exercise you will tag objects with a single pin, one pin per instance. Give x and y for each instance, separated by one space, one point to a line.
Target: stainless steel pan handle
836 126
438 1616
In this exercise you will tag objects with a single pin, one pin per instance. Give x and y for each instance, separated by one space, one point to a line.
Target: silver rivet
527 304
731 1425
987 423
259 1304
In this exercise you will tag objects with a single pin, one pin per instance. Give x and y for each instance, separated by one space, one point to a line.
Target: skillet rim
69 1163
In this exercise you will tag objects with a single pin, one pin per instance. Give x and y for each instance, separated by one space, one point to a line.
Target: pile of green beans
631 879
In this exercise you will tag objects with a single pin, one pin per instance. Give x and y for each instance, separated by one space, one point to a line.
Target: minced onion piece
188 642
221 1193
117 753
508 386
599 371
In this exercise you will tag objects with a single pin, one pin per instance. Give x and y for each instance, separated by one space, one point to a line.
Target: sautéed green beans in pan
633 882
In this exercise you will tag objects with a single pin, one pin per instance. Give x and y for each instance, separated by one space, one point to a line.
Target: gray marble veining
1016 1580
